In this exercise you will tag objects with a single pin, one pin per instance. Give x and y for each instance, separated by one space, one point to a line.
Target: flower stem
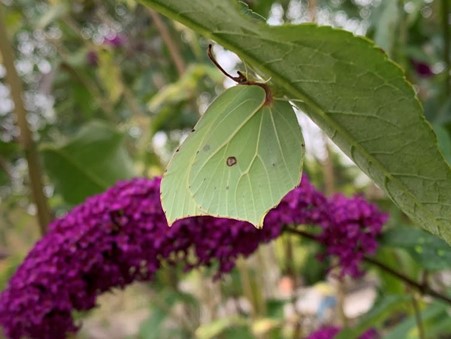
173 49
26 138
446 44
419 321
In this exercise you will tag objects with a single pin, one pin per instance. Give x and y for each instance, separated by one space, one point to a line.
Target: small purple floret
115 40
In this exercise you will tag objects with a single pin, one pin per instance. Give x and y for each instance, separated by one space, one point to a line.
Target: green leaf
388 283
351 90
408 328
242 157
88 163
160 311
428 251
151 328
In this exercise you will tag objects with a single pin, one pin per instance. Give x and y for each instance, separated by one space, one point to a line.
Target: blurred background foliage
111 88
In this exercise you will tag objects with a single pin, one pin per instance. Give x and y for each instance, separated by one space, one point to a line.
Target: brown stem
419 321
341 296
312 10
328 169
446 45
26 138
246 285
424 289
174 51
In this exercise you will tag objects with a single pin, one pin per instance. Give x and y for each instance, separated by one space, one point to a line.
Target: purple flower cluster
350 226
121 236
329 332
350 230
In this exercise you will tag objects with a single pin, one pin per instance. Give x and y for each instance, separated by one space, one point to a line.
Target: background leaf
434 315
351 90
88 163
428 251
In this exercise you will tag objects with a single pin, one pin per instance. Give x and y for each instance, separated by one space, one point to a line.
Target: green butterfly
242 157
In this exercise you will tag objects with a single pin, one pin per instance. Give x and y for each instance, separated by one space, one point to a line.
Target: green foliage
428 251
355 94
8 150
389 284
155 326
88 163
435 316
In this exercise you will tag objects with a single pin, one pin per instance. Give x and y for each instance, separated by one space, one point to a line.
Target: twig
328 168
419 321
174 51
424 289
26 138
247 289
312 10
446 45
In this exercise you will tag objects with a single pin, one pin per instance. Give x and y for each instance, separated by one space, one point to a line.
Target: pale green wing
248 162
176 198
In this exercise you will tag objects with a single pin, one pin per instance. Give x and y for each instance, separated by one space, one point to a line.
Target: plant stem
419 321
424 289
26 138
446 45
341 296
402 36
328 168
247 285
312 10
173 49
